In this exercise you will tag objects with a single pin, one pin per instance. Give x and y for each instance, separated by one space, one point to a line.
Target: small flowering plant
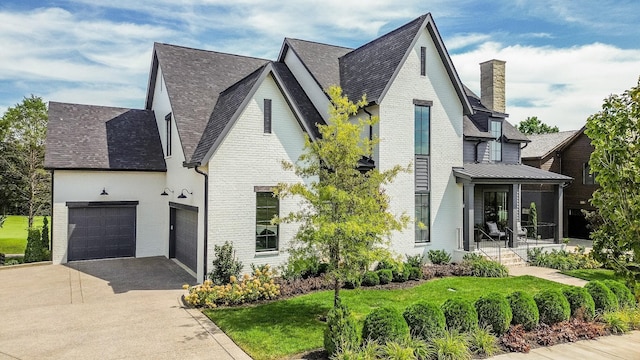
250 288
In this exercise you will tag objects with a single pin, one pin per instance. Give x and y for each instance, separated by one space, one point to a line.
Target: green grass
13 234
593 274
287 327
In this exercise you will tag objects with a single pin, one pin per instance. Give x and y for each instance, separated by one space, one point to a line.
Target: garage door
185 245
101 232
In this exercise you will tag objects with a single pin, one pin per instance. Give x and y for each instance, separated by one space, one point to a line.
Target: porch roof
506 174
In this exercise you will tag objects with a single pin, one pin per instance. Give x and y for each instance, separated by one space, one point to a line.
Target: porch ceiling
506 174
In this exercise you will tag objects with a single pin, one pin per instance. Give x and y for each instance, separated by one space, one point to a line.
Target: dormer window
423 61
167 120
495 146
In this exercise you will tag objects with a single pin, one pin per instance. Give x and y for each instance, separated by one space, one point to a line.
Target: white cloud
561 86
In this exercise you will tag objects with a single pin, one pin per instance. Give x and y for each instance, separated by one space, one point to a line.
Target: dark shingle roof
100 137
320 59
543 144
509 173
194 79
480 119
471 130
369 68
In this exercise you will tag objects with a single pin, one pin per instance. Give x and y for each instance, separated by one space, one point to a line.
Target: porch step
505 257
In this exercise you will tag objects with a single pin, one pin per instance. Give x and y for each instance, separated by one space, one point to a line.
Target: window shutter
267 116
423 61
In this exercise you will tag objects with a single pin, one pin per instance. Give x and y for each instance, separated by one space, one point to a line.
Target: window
496 207
587 177
422 218
422 133
495 146
423 61
267 116
167 120
267 206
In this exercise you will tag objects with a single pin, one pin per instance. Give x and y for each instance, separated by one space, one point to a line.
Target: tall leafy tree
345 218
615 136
24 182
532 125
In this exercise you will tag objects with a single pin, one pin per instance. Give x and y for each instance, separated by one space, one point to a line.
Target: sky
563 57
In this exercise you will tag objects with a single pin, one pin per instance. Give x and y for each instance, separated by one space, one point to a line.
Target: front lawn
13 235
593 274
287 327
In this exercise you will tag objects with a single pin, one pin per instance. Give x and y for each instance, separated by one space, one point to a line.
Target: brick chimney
492 85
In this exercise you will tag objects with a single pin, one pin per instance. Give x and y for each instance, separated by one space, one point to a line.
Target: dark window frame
422 235
495 156
263 225
268 124
587 177
423 61
418 129
168 121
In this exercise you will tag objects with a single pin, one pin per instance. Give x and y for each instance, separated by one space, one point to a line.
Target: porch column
513 214
557 212
468 233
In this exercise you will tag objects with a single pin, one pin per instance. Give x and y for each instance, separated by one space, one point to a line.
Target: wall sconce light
164 192
104 192
182 195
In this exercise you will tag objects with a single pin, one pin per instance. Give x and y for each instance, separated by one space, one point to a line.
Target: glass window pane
266 210
421 128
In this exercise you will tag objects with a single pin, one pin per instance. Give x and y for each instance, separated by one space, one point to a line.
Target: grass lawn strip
288 327
593 274
13 235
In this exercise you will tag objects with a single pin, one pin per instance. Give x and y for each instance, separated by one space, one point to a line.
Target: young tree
532 125
615 136
24 182
345 217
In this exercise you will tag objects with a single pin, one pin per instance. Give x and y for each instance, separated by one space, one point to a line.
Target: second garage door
100 232
185 245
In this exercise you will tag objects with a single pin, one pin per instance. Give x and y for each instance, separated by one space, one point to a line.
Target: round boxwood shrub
524 310
415 273
552 306
622 292
341 332
400 276
370 278
385 276
603 297
460 315
581 303
384 325
494 310
425 320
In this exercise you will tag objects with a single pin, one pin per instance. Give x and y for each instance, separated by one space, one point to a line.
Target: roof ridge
319 43
100 106
211 51
239 82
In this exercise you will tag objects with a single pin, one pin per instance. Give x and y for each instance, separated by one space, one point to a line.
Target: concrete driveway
105 309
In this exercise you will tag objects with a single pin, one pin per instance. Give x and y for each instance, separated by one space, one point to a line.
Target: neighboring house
196 167
568 153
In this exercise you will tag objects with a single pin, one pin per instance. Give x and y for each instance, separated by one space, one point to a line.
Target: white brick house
194 168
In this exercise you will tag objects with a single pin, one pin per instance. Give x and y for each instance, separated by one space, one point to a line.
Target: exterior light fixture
164 192
182 195
104 192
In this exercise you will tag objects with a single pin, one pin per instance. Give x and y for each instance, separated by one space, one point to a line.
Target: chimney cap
493 61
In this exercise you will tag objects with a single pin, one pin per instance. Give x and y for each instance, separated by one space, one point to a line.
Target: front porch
491 194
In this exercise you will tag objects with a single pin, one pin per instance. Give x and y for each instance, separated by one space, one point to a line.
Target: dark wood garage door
101 232
184 245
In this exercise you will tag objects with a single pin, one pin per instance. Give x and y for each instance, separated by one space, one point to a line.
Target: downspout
51 221
475 156
206 216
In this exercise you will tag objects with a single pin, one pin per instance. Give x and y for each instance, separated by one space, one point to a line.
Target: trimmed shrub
383 325
581 303
370 278
622 292
460 315
224 264
385 276
438 257
494 311
414 260
341 333
552 306
34 251
524 310
400 275
425 320
415 273
487 268
603 297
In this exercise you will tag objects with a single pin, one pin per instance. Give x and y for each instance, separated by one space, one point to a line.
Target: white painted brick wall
246 158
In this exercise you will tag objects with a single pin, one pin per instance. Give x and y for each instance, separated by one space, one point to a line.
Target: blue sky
563 57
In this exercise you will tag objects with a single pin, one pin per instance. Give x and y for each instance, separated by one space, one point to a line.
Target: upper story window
422 128
495 146
267 207
267 116
588 178
167 120
423 61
